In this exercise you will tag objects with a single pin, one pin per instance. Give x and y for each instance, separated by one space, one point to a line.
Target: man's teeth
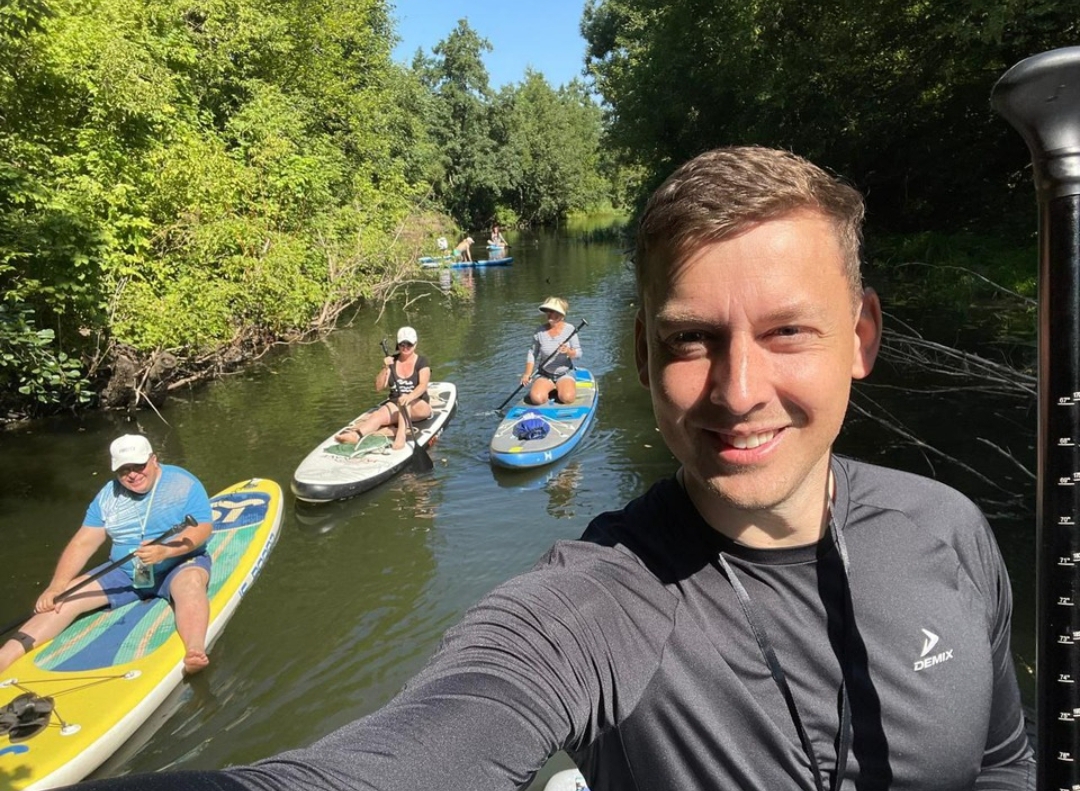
752 441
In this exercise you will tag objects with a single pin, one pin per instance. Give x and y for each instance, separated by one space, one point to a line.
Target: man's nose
740 376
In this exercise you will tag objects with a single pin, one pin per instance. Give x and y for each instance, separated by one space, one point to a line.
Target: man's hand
152 553
47 600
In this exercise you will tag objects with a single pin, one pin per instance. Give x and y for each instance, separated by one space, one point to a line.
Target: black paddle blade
421 460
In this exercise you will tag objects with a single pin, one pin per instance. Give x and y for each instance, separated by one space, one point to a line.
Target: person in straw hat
558 346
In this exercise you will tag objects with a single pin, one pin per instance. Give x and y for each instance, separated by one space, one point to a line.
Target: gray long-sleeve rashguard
631 650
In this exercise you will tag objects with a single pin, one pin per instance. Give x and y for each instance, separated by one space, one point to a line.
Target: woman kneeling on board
557 344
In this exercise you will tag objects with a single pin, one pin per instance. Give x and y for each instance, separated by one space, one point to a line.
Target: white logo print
929 643
926 659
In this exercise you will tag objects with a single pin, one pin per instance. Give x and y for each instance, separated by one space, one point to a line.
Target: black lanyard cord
777 670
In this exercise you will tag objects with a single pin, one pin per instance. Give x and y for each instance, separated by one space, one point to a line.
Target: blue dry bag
531 427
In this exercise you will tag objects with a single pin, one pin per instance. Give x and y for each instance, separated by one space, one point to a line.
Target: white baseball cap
130 449
407 334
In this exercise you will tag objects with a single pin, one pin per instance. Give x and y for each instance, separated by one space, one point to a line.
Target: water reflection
560 481
419 497
561 489
316 519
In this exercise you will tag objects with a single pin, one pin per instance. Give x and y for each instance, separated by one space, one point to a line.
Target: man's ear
641 349
867 335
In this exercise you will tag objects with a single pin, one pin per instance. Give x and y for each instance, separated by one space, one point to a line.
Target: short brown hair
723 192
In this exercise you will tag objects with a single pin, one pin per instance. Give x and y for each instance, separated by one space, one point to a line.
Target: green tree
182 176
549 146
891 93
470 177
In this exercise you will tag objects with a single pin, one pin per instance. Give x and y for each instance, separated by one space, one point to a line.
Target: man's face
139 478
748 347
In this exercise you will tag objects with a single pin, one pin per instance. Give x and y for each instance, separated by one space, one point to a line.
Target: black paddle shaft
419 454
540 367
1040 97
188 521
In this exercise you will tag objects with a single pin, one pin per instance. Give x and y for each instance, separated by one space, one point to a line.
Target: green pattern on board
369 444
225 547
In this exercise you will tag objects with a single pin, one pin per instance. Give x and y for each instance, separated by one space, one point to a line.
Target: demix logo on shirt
928 658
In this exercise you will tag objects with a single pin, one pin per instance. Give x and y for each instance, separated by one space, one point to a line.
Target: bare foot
348 435
396 445
194 661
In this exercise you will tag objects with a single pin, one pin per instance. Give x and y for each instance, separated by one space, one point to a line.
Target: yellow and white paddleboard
108 671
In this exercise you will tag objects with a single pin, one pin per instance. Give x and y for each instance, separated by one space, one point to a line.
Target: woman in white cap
556 345
408 390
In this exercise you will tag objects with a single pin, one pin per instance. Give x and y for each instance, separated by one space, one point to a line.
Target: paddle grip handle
1040 97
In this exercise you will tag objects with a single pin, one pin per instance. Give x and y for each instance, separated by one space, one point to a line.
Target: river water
356 594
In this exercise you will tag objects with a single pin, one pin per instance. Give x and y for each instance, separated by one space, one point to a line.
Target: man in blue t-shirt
144 501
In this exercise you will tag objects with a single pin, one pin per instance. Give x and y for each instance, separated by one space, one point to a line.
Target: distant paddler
497 239
464 249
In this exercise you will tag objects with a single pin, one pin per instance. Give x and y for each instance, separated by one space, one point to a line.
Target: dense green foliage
31 371
468 178
177 175
549 153
894 94
190 176
186 176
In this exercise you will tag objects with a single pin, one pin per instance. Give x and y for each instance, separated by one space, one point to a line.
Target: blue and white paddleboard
563 426
503 261
453 262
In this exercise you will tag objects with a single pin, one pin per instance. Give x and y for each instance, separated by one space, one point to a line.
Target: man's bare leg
192 608
46 625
